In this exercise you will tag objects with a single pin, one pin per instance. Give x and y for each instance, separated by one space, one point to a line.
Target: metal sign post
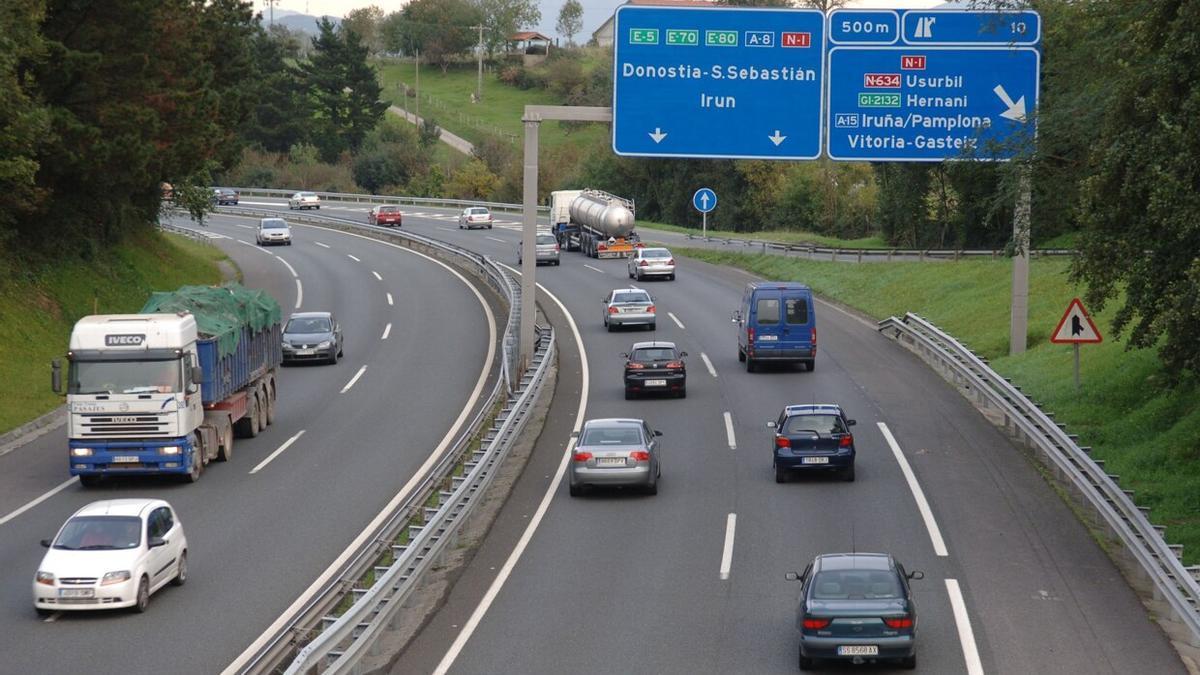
1076 328
704 200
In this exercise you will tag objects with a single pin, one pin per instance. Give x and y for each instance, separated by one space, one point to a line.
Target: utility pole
479 78
271 4
418 64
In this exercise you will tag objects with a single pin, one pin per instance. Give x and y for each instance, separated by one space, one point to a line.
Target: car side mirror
624 355
792 576
851 423
574 434
155 542
56 376
657 432
771 424
916 574
46 543
682 354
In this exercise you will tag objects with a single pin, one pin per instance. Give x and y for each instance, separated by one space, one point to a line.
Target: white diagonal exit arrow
658 135
1016 111
777 139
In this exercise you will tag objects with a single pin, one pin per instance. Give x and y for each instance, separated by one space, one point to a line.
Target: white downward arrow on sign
658 135
777 139
1016 111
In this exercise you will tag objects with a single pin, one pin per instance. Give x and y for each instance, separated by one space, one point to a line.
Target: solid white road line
966 636
286 444
243 241
354 379
377 277
418 476
727 553
708 364
62 486
321 245
387 330
448 229
299 294
352 258
286 264
594 269
935 535
390 298
677 321
498 583
496 239
729 431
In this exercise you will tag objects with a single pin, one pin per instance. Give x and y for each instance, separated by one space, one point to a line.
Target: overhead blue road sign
718 82
704 200
935 100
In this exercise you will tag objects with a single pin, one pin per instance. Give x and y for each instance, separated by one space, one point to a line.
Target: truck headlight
115 578
81 452
170 450
45 578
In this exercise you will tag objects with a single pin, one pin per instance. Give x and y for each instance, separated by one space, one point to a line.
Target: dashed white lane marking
677 321
299 294
935 535
966 636
321 245
708 364
38 500
727 552
496 239
244 227
447 229
729 431
386 332
594 269
286 444
390 298
352 258
354 379
288 265
377 277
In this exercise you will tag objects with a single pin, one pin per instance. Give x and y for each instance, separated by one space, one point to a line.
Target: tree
473 181
367 22
23 120
570 20
440 29
344 89
502 18
282 111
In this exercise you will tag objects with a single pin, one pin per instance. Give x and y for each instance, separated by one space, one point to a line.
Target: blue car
812 438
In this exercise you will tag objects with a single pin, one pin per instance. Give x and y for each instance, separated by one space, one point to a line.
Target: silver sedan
629 307
618 451
651 262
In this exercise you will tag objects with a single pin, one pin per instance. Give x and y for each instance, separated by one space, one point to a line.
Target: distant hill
297 21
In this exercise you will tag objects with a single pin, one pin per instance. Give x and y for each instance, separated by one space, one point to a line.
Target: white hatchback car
273 231
110 554
651 262
304 200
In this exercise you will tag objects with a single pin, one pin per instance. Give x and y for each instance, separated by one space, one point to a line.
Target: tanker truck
593 221
164 390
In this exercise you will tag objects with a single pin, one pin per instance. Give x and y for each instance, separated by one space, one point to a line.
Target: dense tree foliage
439 30
502 18
344 89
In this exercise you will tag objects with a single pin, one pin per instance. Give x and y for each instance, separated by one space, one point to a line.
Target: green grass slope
1147 433
38 312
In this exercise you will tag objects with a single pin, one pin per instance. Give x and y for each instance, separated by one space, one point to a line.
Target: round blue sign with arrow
704 200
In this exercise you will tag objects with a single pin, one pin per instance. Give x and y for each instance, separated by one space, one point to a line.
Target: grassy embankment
39 311
1147 433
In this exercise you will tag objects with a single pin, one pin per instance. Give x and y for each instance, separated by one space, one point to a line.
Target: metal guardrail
431 202
858 254
1144 544
186 232
343 640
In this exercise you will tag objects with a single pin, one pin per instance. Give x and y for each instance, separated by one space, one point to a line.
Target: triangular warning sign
1076 326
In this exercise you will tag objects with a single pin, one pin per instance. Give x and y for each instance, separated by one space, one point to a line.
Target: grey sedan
629 307
614 452
312 336
546 248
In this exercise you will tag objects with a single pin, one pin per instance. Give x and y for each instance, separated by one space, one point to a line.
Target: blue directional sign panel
954 84
704 200
718 82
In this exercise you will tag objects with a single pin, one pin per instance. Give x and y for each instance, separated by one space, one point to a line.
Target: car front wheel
143 596
181 571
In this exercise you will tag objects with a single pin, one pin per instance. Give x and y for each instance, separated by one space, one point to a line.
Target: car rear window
653 354
821 424
388 209
856 584
478 211
656 253
795 310
622 298
629 435
767 310
546 239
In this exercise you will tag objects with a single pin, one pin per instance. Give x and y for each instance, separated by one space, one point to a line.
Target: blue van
776 322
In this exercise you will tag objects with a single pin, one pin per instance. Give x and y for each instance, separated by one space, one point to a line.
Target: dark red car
385 215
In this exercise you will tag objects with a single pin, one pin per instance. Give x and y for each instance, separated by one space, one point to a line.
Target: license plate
610 461
305 352
125 458
768 338
858 650
814 460
656 383
76 593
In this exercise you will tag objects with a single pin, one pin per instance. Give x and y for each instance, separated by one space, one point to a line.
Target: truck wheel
247 427
750 365
197 467
262 408
89 481
271 403
225 449
741 355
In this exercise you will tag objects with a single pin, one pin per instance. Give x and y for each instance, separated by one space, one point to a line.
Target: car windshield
274 224
100 533
820 424
124 377
624 298
656 253
622 435
388 209
653 354
310 324
856 584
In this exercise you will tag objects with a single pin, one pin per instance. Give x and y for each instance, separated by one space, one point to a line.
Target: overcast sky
595 12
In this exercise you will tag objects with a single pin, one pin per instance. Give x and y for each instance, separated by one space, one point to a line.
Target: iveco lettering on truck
163 391
593 221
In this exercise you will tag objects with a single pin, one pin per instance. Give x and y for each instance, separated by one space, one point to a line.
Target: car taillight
556 247
815 624
581 456
613 310
675 364
644 263
640 456
782 442
847 441
750 335
814 338
634 366
670 261
899 622
650 309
